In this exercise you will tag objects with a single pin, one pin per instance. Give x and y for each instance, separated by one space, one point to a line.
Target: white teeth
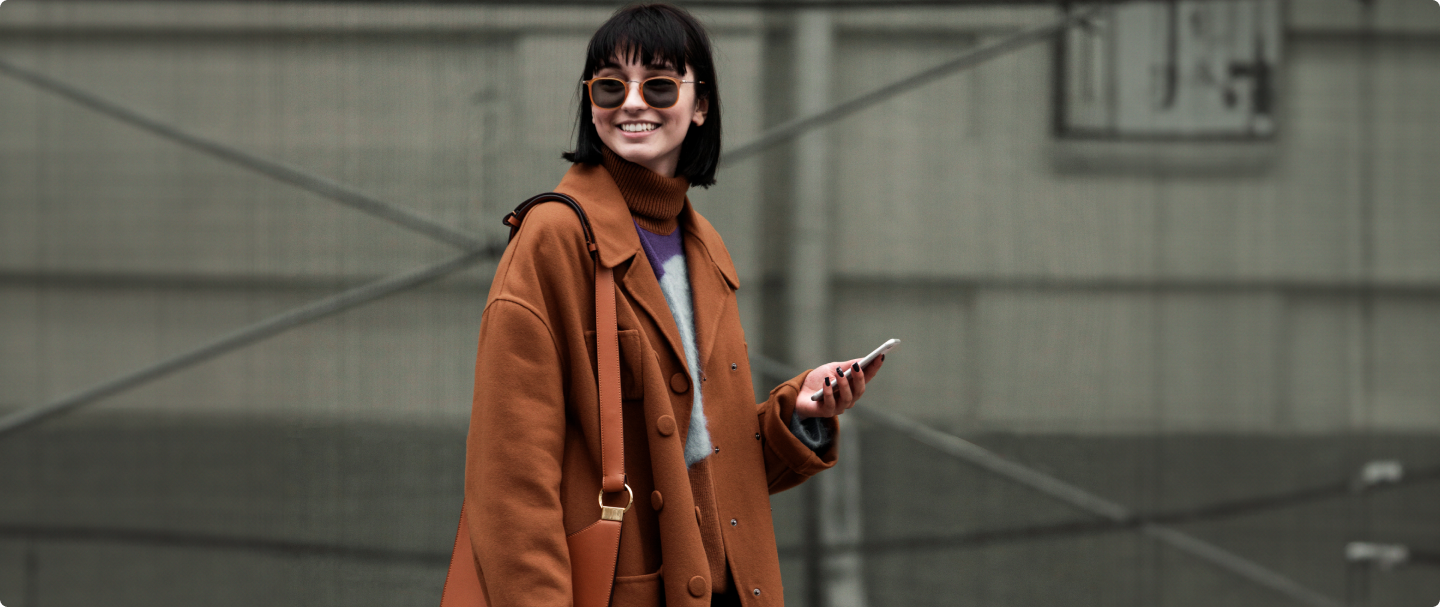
637 128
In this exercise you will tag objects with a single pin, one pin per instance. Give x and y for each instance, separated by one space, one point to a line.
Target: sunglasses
660 92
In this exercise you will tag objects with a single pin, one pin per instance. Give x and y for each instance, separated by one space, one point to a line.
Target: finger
828 401
843 398
857 382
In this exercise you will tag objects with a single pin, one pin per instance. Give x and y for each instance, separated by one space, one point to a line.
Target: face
641 134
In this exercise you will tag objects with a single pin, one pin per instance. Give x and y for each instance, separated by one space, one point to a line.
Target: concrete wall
1277 286
1273 286
457 113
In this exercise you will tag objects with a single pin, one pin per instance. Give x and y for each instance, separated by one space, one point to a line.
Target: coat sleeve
788 461
513 464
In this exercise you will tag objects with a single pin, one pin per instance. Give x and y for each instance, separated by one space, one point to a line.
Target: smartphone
864 362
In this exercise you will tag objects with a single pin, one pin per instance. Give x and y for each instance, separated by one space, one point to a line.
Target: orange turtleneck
654 200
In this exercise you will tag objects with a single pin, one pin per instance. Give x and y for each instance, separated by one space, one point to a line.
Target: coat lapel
642 287
592 186
712 277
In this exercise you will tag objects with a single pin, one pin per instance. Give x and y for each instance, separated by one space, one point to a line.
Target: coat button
757 436
657 501
734 366
698 586
717 448
679 383
665 425
757 592
734 522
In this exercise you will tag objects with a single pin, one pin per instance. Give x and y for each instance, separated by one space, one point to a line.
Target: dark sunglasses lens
661 93
607 93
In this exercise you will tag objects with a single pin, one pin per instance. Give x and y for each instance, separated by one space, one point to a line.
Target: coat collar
712 273
592 187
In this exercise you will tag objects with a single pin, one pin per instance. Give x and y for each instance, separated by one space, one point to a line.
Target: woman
700 457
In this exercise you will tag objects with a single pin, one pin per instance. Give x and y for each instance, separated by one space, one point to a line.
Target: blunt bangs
655 35
646 38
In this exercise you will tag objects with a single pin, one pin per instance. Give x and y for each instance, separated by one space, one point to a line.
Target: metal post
836 578
32 573
809 281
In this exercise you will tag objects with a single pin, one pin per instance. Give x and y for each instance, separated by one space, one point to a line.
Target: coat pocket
631 355
638 591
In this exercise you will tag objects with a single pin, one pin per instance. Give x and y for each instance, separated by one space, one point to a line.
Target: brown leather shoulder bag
594 549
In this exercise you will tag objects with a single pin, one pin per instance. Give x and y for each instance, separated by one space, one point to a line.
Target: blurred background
1167 276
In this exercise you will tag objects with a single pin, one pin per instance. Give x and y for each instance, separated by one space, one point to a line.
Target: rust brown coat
532 464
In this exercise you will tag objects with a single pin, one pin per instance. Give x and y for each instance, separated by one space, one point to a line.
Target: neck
655 201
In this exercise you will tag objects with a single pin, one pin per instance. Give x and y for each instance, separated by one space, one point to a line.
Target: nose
634 99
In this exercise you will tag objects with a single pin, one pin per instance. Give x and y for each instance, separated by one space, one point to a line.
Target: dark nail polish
827 381
882 358
857 366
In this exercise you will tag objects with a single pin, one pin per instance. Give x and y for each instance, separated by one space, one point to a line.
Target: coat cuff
784 443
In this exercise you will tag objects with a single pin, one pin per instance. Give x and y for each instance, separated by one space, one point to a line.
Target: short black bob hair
656 34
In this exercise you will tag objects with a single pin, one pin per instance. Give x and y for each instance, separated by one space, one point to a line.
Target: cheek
598 117
677 120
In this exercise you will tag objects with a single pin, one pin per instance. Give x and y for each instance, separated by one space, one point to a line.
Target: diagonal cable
273 169
316 310
987 460
794 128
1222 510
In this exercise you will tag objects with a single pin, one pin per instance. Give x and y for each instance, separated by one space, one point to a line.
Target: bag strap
607 353
462 581
514 218
607 345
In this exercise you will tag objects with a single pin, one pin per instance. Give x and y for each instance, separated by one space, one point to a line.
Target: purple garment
659 248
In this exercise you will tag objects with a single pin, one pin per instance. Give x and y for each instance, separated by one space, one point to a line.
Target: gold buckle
611 513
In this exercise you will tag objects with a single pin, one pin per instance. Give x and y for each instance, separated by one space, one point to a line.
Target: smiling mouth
639 127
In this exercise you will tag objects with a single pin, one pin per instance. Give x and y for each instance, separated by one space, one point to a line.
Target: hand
839 395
